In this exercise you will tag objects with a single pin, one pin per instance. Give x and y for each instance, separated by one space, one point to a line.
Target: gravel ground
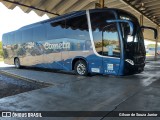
11 86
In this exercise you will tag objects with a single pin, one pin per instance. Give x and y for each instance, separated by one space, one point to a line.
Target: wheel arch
76 59
15 59
15 62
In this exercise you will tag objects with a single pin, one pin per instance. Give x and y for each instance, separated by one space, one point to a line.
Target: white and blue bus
104 41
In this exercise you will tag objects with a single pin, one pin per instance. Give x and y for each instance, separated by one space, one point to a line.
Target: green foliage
0 45
152 45
1 51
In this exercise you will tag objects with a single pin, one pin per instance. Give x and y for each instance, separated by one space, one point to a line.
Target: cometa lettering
57 46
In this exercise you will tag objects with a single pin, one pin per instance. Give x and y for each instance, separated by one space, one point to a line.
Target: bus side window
110 41
39 33
5 39
77 27
12 38
55 30
18 37
27 36
77 32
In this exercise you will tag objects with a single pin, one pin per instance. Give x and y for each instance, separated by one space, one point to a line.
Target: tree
0 45
152 45
1 51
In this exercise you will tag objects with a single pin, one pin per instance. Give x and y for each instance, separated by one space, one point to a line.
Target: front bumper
133 69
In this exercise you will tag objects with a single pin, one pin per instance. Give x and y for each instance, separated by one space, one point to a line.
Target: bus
151 51
97 41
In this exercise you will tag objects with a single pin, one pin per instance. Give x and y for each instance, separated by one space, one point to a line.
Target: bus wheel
81 68
17 63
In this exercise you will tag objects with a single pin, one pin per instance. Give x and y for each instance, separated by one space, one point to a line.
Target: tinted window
18 37
105 35
98 22
27 36
125 28
10 38
55 30
5 39
77 32
39 33
110 42
77 28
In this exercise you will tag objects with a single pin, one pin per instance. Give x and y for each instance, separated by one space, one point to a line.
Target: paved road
69 92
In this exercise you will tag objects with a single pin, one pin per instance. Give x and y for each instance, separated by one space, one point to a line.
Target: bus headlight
130 61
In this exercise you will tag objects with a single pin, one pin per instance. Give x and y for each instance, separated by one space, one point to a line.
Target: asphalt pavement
69 92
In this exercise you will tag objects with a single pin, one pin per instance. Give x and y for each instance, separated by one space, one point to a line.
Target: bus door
111 49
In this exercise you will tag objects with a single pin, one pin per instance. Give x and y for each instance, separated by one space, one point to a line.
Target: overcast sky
14 19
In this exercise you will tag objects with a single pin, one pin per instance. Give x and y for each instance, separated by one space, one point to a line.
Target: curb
25 79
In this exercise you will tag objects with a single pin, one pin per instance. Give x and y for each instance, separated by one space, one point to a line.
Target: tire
80 68
17 63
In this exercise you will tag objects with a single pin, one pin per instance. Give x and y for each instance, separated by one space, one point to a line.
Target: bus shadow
56 71
73 73
49 70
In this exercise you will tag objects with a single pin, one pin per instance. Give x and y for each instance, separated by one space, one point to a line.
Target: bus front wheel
17 63
81 68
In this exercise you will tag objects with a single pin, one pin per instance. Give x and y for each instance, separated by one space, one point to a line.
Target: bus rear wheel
17 63
81 68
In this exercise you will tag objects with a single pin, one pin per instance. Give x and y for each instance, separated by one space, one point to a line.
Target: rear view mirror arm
126 21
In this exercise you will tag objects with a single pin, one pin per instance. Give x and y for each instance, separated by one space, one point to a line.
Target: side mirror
151 28
131 25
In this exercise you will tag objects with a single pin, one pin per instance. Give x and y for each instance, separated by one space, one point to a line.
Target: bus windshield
125 30
136 41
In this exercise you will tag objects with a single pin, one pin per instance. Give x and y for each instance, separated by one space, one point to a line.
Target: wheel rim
81 69
17 63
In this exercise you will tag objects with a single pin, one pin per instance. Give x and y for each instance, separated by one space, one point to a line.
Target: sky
11 20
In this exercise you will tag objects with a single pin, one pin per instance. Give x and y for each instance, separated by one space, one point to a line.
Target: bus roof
69 15
66 16
54 19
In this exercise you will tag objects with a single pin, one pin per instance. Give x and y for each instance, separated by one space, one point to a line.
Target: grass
1 59
149 55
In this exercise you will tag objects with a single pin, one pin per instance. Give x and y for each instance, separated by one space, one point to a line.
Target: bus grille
139 60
